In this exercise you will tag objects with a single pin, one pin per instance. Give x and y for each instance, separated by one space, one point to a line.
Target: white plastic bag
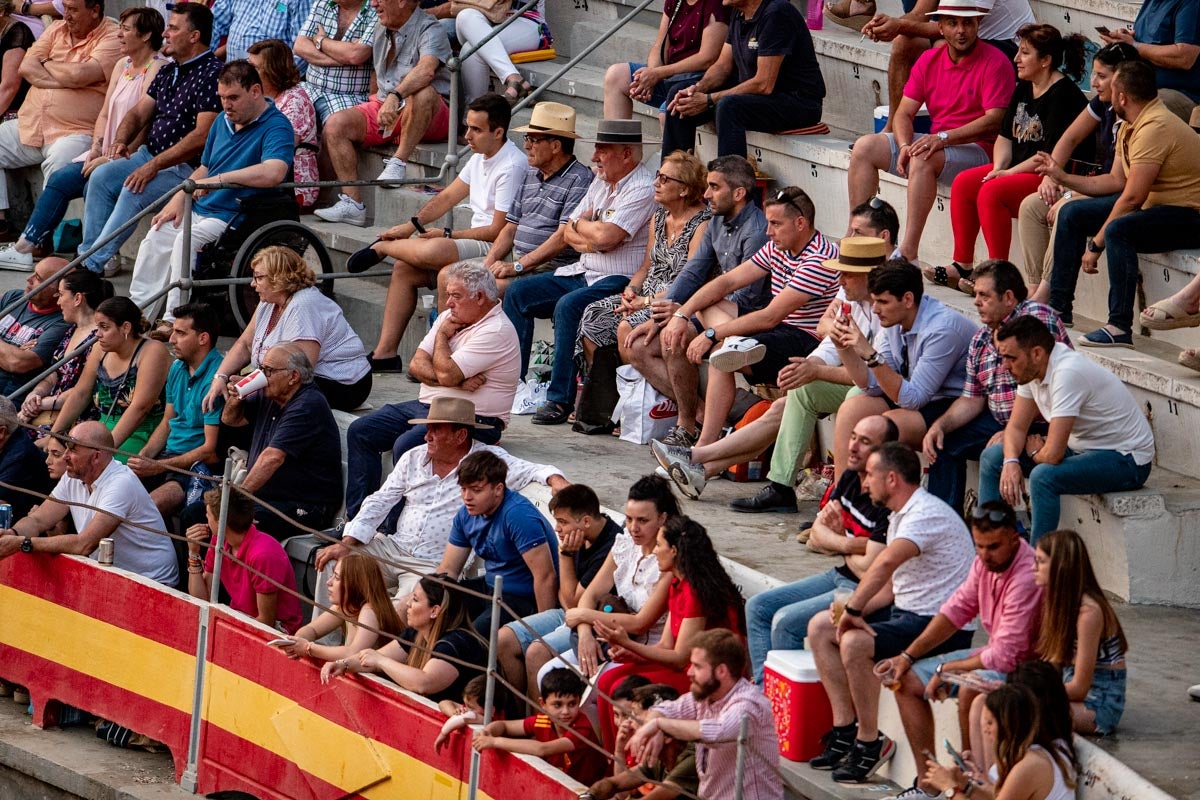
643 413
529 396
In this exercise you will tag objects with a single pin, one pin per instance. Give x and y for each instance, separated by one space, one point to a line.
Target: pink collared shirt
1009 605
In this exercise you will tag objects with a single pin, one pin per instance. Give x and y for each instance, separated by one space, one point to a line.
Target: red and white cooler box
798 703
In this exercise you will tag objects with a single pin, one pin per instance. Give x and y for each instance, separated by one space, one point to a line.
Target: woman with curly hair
292 309
360 606
701 596
1080 632
427 658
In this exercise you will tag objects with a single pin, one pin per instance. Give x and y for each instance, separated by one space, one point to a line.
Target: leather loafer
774 497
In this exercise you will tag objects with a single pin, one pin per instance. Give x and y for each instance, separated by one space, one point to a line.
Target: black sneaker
837 744
551 413
773 497
864 759
388 365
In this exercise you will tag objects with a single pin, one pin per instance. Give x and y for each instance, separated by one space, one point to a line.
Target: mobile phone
1103 31
954 754
845 310
279 642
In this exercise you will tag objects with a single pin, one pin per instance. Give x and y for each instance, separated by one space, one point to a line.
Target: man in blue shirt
187 433
513 538
1166 33
250 143
179 107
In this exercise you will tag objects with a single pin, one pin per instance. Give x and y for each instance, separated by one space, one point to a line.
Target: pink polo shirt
264 555
1009 605
489 347
957 94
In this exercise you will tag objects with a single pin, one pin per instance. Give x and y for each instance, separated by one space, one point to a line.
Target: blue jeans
563 298
390 428
110 205
777 619
60 189
738 113
1089 472
948 475
664 89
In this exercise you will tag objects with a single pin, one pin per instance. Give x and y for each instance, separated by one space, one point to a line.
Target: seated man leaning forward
470 353
31 332
411 51
1001 591
425 478
251 143
488 182
849 525
927 557
966 86
510 535
802 286
915 366
128 514
1099 439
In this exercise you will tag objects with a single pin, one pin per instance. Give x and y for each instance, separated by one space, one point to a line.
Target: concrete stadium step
582 88
1084 16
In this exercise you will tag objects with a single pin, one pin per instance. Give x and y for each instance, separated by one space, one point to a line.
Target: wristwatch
27 545
944 137
318 42
1092 247
518 267
873 361
710 334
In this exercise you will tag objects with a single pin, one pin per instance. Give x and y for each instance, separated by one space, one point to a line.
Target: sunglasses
782 196
992 515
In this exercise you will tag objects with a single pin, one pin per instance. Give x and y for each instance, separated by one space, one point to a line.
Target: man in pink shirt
251 579
1000 589
966 86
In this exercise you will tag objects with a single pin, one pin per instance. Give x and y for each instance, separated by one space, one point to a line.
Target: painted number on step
1095 514
1173 408
941 206
813 168
854 68
1166 275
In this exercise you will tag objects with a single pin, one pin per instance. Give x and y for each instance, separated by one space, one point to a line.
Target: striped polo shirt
805 272
541 206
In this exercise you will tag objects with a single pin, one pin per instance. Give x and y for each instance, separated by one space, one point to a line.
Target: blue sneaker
1103 337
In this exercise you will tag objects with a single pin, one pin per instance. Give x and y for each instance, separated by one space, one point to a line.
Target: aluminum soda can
6 520
105 554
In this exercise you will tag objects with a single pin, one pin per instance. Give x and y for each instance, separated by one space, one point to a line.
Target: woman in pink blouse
281 81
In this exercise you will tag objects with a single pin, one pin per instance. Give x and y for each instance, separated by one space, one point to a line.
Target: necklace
129 75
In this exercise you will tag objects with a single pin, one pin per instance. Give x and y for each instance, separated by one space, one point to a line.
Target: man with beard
966 86
712 716
928 556
1000 589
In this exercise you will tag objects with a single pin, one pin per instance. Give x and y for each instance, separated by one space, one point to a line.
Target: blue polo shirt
1171 22
185 393
269 137
502 539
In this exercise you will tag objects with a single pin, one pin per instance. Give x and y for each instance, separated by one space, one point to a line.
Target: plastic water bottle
815 19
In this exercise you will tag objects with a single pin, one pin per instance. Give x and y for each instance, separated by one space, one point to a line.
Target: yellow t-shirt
1159 137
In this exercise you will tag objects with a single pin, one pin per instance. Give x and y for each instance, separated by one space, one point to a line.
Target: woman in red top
701 596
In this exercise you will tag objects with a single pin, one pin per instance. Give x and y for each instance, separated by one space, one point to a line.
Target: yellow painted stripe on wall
336 755
96 648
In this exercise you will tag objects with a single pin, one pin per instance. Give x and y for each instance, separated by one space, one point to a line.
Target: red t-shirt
682 604
585 764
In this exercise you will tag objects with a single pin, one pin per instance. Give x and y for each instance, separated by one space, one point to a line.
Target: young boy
564 737
675 772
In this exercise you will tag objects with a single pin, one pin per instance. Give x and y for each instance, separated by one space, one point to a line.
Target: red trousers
612 678
991 205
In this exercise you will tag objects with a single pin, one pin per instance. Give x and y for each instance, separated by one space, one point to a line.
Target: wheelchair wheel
242 298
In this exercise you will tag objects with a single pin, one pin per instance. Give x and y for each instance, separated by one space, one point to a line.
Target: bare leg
344 132
741 445
617 103
685 385
718 400
922 191
858 659
917 717
982 748
536 657
415 119
852 410
1189 296
508 655
911 425
415 259
966 698
1083 719
871 154
168 498
829 667
905 52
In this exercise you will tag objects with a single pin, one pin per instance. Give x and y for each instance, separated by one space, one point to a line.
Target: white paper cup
250 384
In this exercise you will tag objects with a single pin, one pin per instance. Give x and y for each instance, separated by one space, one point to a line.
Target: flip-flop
942 277
1168 315
839 14
362 260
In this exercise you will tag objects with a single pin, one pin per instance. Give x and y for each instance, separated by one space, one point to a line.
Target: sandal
1168 315
839 14
1190 358
966 286
516 89
161 331
942 277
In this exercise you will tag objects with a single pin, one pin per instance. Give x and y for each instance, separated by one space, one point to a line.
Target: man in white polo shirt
1099 439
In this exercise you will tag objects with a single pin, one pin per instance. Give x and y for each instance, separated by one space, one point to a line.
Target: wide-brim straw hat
552 119
451 411
618 131
962 8
859 254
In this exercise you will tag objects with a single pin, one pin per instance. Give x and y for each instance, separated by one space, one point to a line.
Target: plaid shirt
245 22
986 374
340 87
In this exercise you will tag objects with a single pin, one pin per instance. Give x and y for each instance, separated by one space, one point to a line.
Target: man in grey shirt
738 230
410 55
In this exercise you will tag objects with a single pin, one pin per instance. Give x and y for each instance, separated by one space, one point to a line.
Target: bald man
95 479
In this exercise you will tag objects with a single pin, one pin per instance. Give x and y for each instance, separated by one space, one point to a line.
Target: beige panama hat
451 411
552 119
859 254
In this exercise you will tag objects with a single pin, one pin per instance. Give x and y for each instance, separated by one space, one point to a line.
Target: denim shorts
925 668
959 157
1105 697
550 625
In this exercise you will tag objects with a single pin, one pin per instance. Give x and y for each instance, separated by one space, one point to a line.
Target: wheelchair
264 219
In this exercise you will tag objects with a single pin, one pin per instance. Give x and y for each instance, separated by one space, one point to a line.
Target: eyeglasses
532 139
269 371
992 515
71 447
660 178
258 277
782 196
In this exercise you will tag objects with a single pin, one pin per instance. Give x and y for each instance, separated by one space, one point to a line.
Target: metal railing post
489 696
185 267
222 521
740 771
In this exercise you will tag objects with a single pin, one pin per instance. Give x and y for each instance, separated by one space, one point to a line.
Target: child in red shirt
564 737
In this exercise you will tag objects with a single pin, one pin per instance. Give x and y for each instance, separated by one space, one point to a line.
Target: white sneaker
113 267
737 352
11 258
393 169
344 210
687 476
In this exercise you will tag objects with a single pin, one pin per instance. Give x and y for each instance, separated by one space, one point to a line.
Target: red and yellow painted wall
124 649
